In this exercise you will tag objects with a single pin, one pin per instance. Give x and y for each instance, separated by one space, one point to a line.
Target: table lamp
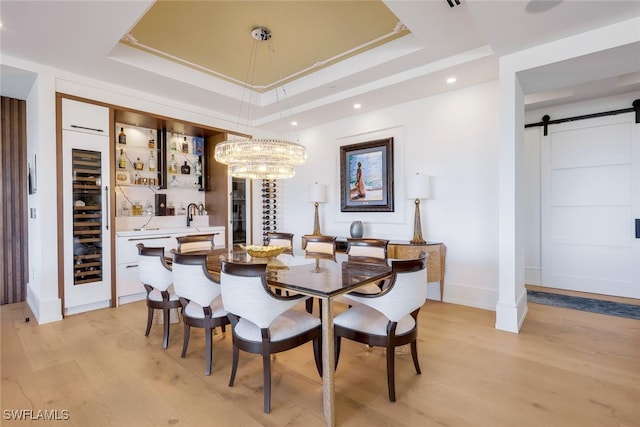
418 187
316 196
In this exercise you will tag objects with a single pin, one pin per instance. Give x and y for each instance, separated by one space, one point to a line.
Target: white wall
451 137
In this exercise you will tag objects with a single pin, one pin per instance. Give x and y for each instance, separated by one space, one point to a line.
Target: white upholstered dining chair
200 298
156 277
367 250
318 246
281 239
263 322
387 319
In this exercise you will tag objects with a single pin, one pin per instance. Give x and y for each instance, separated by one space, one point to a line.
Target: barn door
590 199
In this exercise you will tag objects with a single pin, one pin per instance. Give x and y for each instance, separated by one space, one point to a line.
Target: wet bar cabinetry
129 288
139 160
159 164
176 165
86 234
158 158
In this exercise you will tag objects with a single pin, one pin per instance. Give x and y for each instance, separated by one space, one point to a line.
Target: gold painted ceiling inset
215 36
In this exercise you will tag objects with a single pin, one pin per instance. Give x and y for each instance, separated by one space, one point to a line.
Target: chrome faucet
190 214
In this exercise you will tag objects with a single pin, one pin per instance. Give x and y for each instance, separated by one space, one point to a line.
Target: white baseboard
44 311
471 296
132 298
510 316
87 307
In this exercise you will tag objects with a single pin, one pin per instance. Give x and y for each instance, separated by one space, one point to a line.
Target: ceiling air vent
453 3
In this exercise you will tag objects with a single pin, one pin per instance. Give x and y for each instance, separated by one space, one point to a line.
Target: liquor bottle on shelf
122 137
174 142
148 209
122 160
185 146
152 141
152 162
136 209
198 167
185 169
173 166
138 164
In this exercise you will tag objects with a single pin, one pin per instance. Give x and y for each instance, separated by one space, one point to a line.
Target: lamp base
316 222
417 228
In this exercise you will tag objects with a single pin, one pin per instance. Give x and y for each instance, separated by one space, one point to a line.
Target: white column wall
42 289
512 304
511 308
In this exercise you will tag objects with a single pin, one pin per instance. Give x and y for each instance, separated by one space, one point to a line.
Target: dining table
322 277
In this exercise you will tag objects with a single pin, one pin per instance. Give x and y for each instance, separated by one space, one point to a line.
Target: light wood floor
565 368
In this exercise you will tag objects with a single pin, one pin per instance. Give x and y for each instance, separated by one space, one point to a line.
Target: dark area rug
585 304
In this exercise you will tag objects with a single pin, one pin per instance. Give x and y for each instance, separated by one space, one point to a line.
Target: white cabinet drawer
128 282
82 117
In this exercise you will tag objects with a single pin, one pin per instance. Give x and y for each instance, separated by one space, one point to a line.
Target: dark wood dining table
320 277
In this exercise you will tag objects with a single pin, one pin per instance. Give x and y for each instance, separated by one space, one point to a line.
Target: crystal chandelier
260 158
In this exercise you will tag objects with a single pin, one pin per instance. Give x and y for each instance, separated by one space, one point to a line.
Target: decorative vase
357 229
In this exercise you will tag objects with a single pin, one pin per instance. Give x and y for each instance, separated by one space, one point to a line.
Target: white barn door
590 182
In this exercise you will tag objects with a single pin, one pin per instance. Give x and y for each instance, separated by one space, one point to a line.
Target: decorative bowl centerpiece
257 251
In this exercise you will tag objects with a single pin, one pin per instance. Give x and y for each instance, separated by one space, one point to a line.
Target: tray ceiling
215 36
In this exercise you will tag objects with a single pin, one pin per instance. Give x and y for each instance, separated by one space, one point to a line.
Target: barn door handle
637 228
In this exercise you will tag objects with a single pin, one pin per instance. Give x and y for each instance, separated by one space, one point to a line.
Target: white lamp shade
317 193
418 187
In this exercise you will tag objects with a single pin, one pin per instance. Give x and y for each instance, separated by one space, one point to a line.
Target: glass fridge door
88 199
239 211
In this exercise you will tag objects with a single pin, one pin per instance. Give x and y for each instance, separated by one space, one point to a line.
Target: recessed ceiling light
294 123
451 80
357 106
